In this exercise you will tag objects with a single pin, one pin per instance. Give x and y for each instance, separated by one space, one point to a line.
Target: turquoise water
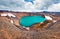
27 21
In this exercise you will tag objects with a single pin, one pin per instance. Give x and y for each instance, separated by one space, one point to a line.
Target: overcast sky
30 5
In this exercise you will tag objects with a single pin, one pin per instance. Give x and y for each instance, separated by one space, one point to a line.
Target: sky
30 5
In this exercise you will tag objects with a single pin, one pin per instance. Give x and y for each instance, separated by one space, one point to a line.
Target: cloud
54 8
41 5
38 5
21 5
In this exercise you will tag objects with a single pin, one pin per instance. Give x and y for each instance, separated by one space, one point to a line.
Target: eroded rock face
9 31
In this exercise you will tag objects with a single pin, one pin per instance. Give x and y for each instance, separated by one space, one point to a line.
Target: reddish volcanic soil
15 31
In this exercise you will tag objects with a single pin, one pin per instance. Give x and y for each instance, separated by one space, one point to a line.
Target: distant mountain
46 12
3 10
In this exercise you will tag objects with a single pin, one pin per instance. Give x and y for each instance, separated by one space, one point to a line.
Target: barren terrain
15 31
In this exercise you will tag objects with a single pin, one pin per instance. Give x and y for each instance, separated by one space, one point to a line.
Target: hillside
15 31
